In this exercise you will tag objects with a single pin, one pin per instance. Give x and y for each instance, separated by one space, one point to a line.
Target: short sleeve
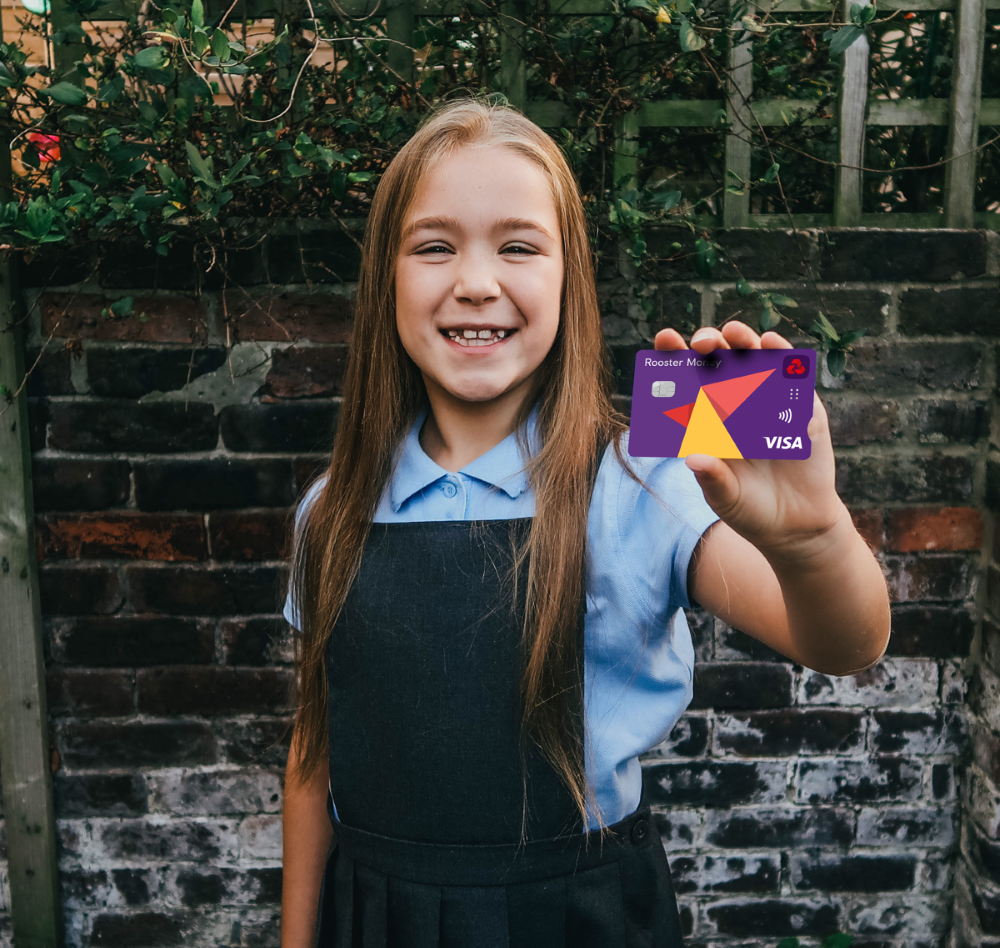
659 526
291 609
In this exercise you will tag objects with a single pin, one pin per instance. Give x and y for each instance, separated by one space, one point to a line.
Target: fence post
739 87
851 124
399 27
513 69
963 120
30 823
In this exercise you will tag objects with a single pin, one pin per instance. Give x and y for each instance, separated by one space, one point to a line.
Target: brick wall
165 471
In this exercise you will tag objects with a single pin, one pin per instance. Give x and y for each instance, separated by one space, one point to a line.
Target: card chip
664 389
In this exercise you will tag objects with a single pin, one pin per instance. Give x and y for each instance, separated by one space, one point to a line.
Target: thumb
717 481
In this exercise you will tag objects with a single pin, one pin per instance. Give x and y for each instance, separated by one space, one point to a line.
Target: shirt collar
502 467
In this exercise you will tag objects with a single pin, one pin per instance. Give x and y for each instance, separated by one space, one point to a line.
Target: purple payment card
731 403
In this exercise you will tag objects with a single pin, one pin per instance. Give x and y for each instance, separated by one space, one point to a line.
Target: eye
519 249
434 248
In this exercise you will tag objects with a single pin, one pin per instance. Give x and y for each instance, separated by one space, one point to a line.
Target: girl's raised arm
785 563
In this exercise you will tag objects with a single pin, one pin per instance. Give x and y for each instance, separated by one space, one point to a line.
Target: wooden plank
739 88
513 70
895 112
30 825
925 221
851 124
963 128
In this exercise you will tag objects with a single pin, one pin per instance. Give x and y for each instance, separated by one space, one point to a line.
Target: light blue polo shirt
639 660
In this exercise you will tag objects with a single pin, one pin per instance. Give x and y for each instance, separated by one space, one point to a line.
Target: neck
457 432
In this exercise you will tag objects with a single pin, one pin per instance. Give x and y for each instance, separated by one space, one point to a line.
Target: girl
491 594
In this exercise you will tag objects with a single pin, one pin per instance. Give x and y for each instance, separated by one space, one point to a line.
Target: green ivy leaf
836 359
743 288
780 300
769 316
838 940
827 328
197 13
844 38
65 93
691 41
152 57
201 167
220 45
792 942
771 175
853 336
704 258
200 41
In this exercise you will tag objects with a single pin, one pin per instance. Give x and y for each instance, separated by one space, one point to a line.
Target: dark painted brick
124 425
689 738
623 365
757 254
131 264
729 874
861 422
943 781
869 873
326 255
840 780
775 917
921 529
131 640
307 470
987 907
726 685
167 318
846 309
141 930
82 795
985 743
993 484
939 421
213 483
300 426
916 826
76 693
675 831
51 265
790 731
253 641
79 484
185 590
306 372
49 370
212 690
128 535
262 742
250 534
174 840
855 255
964 310
116 372
702 627
215 885
133 885
767 828
79 590
942 479
984 853
930 576
919 732
670 309
930 631
137 744
914 367
82 885
734 645
714 783
38 423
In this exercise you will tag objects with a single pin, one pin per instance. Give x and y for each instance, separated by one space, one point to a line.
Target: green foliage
831 941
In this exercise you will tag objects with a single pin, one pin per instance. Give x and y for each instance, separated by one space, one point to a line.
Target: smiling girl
490 596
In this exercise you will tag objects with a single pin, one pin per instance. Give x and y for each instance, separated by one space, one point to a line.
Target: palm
769 502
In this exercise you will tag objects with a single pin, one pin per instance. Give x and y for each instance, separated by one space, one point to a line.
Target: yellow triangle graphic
706 434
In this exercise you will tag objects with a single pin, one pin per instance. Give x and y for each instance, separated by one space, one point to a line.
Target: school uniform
426 772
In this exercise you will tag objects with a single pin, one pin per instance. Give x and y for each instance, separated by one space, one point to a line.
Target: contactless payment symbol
795 367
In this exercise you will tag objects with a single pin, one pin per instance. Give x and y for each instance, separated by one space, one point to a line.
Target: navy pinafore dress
426 770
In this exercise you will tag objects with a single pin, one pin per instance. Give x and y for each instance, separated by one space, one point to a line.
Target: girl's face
479 275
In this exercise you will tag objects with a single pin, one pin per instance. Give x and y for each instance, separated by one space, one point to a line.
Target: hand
781 507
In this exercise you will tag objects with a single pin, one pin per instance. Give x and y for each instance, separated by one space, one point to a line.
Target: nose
476 281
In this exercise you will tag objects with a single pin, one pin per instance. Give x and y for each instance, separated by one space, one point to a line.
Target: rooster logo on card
705 417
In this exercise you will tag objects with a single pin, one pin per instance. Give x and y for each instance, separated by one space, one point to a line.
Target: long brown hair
383 392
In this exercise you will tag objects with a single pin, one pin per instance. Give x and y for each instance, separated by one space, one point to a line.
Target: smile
477 337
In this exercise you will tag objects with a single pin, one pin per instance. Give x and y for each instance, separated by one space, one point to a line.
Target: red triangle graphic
727 396
681 414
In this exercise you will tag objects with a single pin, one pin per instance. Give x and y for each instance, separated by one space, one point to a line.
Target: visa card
730 403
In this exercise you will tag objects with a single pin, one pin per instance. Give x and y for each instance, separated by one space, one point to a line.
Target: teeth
480 337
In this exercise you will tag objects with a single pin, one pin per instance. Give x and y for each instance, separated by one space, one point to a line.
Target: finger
707 339
718 483
668 340
740 335
774 340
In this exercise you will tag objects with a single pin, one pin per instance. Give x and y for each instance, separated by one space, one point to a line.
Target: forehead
479 184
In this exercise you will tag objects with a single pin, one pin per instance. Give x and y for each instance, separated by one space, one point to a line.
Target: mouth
472 338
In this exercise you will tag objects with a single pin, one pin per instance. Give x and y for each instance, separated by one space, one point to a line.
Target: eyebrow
451 223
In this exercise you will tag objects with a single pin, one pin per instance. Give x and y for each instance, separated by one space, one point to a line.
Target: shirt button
449 489
639 831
